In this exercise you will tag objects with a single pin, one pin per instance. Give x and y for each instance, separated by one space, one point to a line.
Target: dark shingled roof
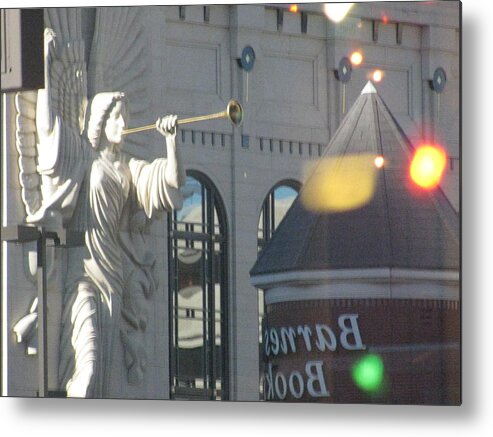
401 227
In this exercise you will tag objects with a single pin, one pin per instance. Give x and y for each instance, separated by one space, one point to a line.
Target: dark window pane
275 207
198 292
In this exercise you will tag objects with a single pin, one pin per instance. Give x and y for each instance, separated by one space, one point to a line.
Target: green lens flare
368 373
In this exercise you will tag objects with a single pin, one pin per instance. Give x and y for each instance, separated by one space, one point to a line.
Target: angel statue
87 182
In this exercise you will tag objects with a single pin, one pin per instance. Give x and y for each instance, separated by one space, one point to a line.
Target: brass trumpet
233 111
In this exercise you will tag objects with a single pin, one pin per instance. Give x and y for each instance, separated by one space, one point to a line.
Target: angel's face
116 123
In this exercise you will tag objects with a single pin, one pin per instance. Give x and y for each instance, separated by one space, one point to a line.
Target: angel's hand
49 41
166 126
44 115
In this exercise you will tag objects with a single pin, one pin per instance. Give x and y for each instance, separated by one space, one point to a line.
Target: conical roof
398 228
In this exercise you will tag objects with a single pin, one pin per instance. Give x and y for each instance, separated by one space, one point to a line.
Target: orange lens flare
427 166
356 58
294 9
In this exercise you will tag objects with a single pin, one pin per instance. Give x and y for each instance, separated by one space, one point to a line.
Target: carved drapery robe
102 306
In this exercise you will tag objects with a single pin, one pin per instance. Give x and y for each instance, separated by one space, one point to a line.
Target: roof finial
369 88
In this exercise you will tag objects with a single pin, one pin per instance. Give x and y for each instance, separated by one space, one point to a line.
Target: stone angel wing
50 121
94 50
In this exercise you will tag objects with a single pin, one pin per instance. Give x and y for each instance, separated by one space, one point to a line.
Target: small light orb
356 58
293 8
377 75
336 12
379 161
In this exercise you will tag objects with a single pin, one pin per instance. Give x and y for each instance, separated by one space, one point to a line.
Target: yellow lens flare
341 183
427 166
336 12
293 8
356 58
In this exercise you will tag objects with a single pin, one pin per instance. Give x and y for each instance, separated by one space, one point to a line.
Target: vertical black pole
42 313
209 244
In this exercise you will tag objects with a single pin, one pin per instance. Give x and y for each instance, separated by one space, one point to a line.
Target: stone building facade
293 104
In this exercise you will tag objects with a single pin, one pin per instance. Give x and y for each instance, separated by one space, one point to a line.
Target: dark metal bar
304 22
211 295
19 233
280 19
172 321
375 24
189 236
42 315
398 33
66 238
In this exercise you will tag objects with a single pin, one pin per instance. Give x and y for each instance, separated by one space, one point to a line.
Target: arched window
275 206
198 293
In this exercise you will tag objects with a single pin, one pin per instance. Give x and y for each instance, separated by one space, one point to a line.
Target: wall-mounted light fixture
343 74
344 70
439 80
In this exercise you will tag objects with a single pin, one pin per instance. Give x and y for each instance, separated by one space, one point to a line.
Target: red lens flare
427 166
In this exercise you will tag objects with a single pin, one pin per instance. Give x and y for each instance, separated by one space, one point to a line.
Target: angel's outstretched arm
158 183
44 110
175 172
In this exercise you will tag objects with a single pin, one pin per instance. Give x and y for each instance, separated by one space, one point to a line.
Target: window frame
212 209
267 212
268 218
